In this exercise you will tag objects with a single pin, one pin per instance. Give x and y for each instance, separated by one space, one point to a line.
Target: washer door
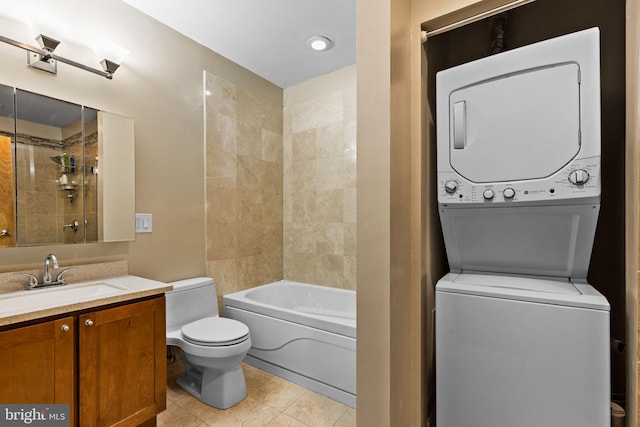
517 126
535 240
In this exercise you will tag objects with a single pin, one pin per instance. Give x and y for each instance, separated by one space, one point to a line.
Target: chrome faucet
50 263
48 277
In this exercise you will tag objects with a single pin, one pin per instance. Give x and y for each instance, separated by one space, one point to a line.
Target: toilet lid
215 331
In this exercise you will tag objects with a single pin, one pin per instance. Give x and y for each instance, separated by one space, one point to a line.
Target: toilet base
221 389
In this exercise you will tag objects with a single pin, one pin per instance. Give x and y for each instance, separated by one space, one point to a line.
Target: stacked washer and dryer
522 340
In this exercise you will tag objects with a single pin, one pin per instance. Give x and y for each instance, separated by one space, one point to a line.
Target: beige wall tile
271 146
222 98
249 239
280 187
222 241
271 176
303 145
329 206
350 239
330 239
253 271
249 206
330 173
244 198
249 173
222 205
349 205
221 132
329 109
303 176
350 271
249 139
272 242
220 164
303 237
272 207
224 274
319 184
330 141
330 270
304 116
270 116
301 267
303 206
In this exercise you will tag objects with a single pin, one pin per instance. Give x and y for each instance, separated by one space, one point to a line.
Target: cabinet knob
88 322
64 328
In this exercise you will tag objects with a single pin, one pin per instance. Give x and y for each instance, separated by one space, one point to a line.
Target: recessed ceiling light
319 43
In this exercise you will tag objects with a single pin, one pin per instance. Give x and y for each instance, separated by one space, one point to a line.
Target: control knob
488 194
451 186
509 193
579 177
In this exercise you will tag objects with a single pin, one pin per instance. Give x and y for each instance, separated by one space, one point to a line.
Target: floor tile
271 401
348 419
278 393
283 420
175 393
316 410
176 416
255 377
249 412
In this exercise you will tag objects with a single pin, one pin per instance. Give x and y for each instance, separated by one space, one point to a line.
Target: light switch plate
143 223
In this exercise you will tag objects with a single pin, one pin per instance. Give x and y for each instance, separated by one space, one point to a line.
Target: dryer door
517 126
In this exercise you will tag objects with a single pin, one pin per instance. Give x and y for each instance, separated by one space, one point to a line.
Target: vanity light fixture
43 58
47 43
109 67
319 43
44 61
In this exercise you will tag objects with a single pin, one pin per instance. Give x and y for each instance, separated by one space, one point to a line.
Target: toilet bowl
212 347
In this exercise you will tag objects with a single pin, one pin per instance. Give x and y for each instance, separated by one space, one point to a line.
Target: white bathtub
303 333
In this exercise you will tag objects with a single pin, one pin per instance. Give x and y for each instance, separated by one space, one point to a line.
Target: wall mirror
57 185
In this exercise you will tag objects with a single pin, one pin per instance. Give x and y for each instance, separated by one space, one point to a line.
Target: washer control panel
579 179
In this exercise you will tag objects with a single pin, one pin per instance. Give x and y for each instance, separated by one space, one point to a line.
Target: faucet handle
33 280
72 225
60 278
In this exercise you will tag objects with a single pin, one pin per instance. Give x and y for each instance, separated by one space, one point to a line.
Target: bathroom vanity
104 355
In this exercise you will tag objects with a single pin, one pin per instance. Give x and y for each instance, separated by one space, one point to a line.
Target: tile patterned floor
271 401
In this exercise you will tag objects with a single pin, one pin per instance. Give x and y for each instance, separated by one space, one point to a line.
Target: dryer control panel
580 179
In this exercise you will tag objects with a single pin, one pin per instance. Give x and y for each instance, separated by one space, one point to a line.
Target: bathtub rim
340 326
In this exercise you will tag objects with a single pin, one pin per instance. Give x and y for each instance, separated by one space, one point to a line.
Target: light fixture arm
51 55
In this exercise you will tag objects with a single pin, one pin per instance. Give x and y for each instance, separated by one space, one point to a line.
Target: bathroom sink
57 295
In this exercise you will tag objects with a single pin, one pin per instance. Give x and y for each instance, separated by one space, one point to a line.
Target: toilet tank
190 300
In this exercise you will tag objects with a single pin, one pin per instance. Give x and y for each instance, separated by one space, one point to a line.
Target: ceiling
268 37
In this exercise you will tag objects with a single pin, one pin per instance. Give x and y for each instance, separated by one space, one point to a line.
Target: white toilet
212 346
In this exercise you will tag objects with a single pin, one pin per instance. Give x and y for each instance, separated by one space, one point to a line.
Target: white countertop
25 305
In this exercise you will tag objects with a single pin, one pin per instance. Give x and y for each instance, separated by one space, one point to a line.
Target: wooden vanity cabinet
109 364
38 364
122 364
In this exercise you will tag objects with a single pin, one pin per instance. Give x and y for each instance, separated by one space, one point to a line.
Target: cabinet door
38 364
122 364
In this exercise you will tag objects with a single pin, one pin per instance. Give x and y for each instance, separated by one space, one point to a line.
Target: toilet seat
215 332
